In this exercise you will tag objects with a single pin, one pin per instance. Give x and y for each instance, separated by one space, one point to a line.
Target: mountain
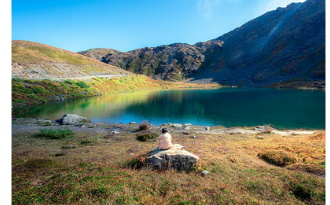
282 46
39 61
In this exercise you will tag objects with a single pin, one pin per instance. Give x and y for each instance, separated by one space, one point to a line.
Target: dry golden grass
101 173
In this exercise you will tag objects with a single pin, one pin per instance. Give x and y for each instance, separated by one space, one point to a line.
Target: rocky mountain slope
38 61
281 46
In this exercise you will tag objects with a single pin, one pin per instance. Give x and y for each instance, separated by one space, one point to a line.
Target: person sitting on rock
165 139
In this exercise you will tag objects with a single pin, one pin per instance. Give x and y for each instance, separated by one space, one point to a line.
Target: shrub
268 129
278 158
136 163
146 136
88 141
144 125
33 96
55 134
82 84
69 81
39 89
16 86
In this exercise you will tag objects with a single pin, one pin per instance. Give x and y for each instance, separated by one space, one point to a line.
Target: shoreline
35 124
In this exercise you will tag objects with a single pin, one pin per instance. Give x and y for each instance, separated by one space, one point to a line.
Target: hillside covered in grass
27 91
38 61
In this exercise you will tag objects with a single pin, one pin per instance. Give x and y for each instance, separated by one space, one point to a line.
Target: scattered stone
185 133
177 125
83 126
204 173
108 141
193 136
71 146
259 128
71 119
259 137
207 128
188 124
114 132
174 158
89 150
186 128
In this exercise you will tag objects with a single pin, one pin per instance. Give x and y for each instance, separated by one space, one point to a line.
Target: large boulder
71 119
174 158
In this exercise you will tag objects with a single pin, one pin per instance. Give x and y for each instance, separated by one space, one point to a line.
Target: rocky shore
35 124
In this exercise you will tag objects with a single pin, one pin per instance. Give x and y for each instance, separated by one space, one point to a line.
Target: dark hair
164 130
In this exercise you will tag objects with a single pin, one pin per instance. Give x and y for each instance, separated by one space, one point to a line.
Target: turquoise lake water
283 109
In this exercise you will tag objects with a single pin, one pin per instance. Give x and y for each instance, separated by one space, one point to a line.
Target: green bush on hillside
82 84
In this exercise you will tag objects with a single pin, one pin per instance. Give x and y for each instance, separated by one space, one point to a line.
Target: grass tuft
144 125
278 158
146 136
55 134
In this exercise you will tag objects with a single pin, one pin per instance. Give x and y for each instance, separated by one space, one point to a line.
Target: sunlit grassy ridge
38 58
32 52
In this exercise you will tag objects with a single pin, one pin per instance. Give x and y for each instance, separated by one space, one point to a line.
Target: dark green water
286 109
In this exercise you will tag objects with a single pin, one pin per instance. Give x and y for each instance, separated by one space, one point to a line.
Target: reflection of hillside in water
90 107
227 106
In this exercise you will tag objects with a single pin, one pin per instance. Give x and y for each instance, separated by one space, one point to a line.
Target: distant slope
284 45
38 61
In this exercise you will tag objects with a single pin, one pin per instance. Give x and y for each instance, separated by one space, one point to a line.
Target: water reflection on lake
228 107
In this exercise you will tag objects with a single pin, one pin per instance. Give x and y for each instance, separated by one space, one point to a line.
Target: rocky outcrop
284 45
174 158
71 119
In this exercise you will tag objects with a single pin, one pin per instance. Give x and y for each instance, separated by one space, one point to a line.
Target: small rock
204 173
89 150
185 133
259 128
82 126
193 136
132 123
207 128
188 124
108 141
114 132
187 128
259 137
177 125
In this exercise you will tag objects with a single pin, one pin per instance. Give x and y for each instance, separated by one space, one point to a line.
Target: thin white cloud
273 4
206 7
266 6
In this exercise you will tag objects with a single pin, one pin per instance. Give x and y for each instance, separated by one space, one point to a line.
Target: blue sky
78 25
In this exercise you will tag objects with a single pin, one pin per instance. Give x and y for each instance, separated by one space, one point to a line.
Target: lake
229 107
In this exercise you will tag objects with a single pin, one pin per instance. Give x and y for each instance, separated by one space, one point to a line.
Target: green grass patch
146 136
278 158
55 134
88 141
